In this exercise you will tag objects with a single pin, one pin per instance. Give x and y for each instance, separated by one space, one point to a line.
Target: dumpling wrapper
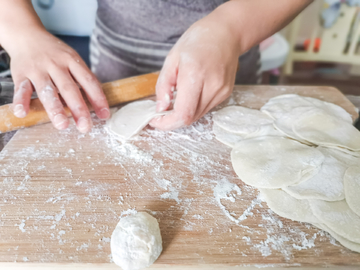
328 184
338 217
282 105
343 241
231 139
287 206
226 137
326 130
352 188
132 118
275 162
241 120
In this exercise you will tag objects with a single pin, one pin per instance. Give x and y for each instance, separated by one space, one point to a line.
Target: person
197 44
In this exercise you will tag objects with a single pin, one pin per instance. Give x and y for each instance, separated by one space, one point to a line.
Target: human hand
202 67
47 65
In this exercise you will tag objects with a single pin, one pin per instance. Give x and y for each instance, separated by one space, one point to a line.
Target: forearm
17 20
252 21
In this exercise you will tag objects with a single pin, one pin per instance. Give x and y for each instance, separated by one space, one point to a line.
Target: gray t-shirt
132 37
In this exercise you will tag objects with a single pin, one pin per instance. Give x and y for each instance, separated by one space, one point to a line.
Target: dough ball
132 118
136 241
352 188
275 162
288 207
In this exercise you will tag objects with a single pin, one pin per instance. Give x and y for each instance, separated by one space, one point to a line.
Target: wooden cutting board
62 193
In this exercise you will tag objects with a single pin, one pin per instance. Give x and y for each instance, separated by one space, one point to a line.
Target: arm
202 64
41 62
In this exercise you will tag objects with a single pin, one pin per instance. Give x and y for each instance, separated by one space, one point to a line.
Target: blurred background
320 47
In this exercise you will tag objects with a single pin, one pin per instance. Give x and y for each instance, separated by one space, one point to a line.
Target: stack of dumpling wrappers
303 154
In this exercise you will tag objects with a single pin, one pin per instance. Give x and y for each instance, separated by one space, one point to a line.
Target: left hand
201 67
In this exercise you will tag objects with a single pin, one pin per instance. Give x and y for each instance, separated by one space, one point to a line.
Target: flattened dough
241 120
231 139
285 122
345 242
275 162
338 217
288 207
132 118
324 129
279 106
226 137
327 184
352 188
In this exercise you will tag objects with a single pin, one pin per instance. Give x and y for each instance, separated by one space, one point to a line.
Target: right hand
47 65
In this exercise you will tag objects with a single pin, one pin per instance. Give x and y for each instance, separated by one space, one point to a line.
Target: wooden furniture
62 194
338 43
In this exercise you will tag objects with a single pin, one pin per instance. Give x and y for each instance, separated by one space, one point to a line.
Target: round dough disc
338 217
228 138
324 129
136 241
241 120
345 242
327 184
287 206
231 139
279 106
352 188
274 162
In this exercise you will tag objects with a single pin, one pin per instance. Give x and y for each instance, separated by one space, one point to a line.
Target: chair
339 43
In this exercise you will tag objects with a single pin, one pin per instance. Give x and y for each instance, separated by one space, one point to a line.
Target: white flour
150 172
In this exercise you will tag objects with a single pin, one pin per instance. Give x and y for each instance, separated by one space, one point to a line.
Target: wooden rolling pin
116 92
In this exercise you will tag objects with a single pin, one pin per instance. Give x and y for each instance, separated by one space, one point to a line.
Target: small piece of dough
327 184
132 118
288 207
241 120
345 242
352 188
275 162
338 217
136 241
323 129
282 105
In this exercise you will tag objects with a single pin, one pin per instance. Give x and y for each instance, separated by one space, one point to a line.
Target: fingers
49 97
71 94
166 84
92 88
185 107
22 97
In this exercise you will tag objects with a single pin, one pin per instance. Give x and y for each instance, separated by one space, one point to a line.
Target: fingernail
104 113
60 121
83 125
19 111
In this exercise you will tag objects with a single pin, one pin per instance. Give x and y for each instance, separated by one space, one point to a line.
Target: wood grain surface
62 194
